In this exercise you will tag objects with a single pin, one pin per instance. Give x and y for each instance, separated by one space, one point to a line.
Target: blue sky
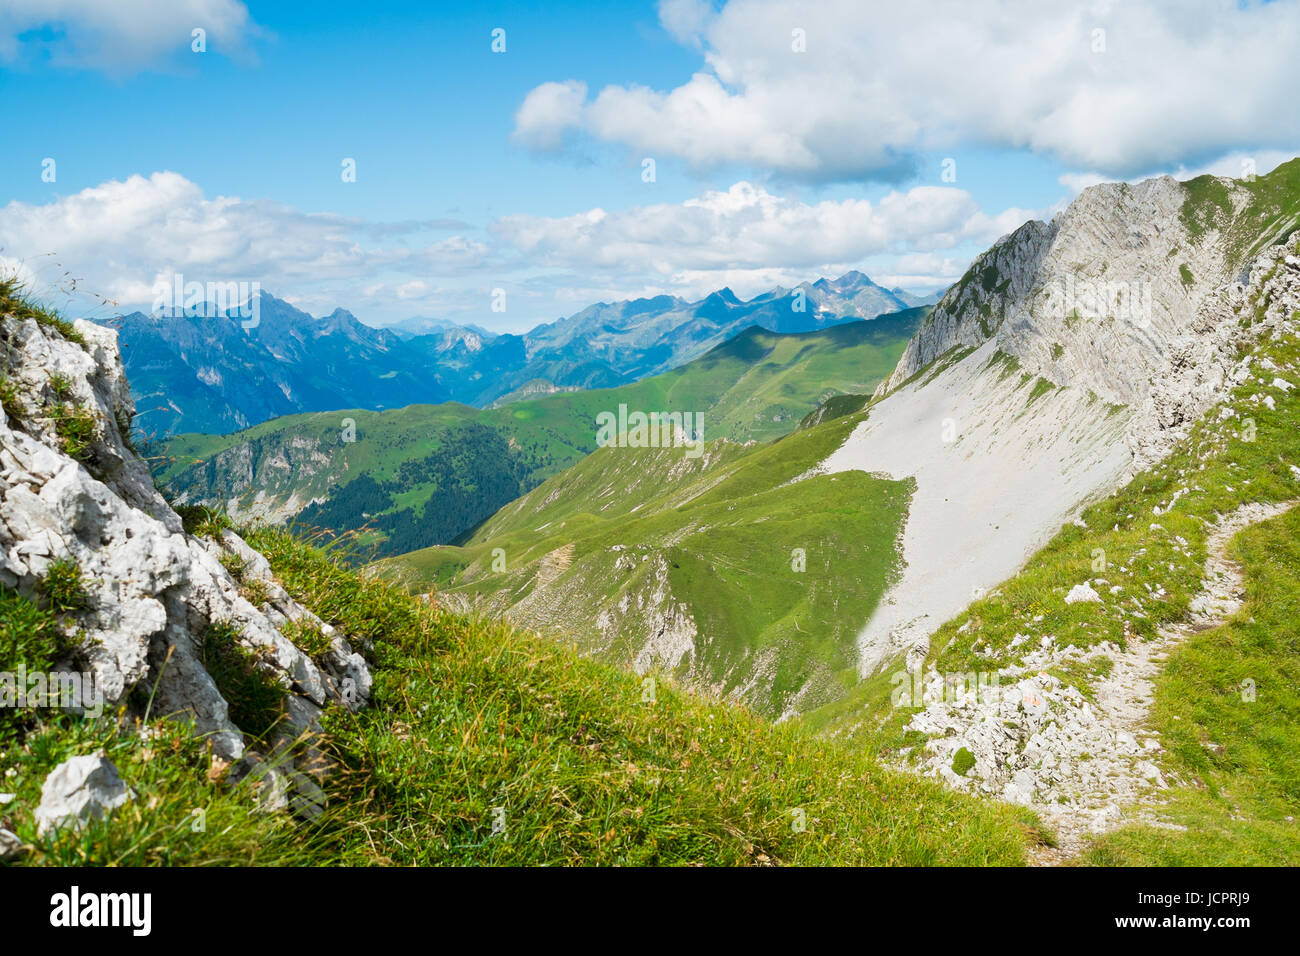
839 147
417 97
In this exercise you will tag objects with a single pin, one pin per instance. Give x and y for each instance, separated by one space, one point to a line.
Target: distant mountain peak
220 375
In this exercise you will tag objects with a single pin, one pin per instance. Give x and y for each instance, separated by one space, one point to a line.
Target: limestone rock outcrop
152 591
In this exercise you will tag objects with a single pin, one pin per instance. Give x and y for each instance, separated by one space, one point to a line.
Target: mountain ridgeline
795 575
424 474
212 374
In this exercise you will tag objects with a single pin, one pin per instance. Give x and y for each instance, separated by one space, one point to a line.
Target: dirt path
1124 698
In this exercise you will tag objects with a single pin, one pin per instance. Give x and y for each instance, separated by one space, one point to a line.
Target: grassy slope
720 532
1271 210
470 715
1240 758
1235 801
756 386
473 715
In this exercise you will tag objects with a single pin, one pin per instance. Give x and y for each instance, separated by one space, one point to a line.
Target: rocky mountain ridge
222 373
1072 355
1085 759
154 605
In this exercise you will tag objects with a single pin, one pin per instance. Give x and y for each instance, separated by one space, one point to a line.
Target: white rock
153 591
1020 788
1082 593
78 790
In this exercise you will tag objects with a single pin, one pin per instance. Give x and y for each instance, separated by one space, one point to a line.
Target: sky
595 151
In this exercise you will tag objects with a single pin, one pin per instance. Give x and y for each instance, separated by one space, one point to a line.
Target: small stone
1151 772
80 789
1082 593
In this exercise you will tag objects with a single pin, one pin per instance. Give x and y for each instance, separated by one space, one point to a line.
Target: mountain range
424 474
210 374
1022 399
1033 569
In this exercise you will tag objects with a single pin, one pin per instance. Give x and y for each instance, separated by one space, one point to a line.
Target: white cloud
115 239
120 35
685 19
1238 165
746 227
1168 82
1078 182
1234 165
548 112
921 271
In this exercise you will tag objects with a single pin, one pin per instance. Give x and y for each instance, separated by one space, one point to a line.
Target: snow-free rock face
1072 355
152 591
1099 298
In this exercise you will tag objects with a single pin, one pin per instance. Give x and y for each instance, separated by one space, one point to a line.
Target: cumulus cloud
119 35
548 112
747 227
1117 88
117 238
924 270
685 19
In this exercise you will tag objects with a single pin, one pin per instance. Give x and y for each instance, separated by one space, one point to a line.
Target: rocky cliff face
74 492
1072 355
1080 759
1099 298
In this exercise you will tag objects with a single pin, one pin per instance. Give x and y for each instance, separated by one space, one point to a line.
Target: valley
357 469
1067 529
981 474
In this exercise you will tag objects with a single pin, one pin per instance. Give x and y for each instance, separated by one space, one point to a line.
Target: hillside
1072 355
384 469
1148 655
714 569
1008 415
232 688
